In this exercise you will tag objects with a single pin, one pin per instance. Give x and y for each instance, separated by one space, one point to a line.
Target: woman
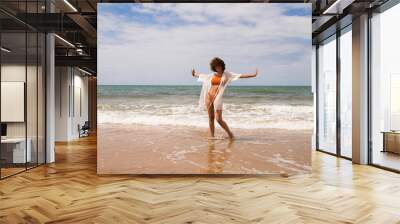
212 91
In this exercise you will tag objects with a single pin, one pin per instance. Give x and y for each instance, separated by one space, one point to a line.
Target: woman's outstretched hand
255 74
194 73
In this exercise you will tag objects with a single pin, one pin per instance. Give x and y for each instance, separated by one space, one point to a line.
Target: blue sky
160 43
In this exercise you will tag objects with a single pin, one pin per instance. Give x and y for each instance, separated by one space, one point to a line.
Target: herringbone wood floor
69 191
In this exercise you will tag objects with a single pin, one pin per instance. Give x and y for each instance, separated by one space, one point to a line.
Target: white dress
226 78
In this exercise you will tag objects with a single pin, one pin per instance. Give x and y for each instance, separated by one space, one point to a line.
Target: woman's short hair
217 62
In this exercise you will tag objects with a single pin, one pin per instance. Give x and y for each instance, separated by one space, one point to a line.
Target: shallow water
146 149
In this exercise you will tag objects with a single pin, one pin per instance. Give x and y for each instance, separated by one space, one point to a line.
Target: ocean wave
247 116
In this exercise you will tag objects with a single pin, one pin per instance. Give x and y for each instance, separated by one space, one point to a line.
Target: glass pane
386 89
327 96
31 98
346 94
13 86
41 98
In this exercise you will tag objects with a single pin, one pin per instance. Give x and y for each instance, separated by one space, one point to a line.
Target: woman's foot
216 138
231 136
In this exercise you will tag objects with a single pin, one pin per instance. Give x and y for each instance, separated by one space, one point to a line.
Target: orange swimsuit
216 80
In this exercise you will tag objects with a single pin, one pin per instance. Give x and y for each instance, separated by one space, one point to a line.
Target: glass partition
22 78
327 95
13 94
31 99
346 93
385 89
41 107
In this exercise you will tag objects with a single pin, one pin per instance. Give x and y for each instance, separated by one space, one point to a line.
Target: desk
391 141
16 147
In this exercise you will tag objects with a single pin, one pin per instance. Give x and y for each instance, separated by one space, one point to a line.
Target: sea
249 107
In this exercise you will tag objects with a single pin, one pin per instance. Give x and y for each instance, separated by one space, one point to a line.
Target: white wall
14 73
62 82
17 73
70 83
80 109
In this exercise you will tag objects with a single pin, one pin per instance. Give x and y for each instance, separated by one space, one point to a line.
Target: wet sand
146 149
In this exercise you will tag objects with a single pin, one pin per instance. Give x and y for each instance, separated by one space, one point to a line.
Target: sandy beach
168 149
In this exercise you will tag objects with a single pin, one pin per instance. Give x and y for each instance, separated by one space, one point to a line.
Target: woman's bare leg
223 124
211 118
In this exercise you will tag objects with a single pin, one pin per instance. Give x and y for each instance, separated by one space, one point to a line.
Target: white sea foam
249 116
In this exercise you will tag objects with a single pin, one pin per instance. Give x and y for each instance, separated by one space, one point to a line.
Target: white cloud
189 35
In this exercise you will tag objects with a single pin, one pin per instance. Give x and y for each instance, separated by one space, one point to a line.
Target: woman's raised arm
249 75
